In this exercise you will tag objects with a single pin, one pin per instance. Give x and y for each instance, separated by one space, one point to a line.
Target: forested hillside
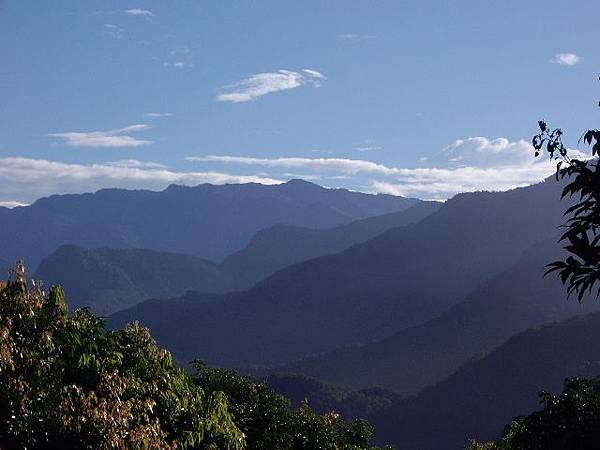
485 395
399 279
109 280
506 304
280 246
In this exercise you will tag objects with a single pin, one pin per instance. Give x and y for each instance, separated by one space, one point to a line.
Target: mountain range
485 395
435 319
399 279
409 360
108 280
208 221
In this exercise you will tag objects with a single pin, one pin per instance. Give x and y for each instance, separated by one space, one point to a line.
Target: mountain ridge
206 220
130 281
507 303
401 278
486 394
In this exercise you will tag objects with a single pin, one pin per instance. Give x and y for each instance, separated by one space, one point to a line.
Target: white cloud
136 163
343 165
25 180
104 139
314 74
484 152
470 164
567 59
266 83
139 12
11 204
157 115
176 64
302 176
114 31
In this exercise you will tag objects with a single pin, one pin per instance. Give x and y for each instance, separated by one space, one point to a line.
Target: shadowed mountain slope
502 306
483 396
399 279
208 221
280 246
108 280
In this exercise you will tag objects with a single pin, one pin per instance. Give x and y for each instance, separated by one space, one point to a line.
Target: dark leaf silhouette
581 271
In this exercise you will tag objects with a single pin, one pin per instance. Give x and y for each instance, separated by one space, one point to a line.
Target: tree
570 420
268 422
580 271
66 382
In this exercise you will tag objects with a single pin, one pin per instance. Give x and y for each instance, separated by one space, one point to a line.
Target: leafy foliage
569 420
268 422
67 382
581 270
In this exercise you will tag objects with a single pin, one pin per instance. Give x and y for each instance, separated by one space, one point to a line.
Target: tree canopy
67 382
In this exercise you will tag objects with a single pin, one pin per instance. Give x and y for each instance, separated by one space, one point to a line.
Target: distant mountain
208 221
408 361
483 396
399 279
280 246
108 280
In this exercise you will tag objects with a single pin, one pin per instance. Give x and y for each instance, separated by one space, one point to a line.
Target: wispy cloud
112 30
104 139
470 164
343 165
566 59
176 64
135 163
157 115
25 180
139 12
269 82
356 36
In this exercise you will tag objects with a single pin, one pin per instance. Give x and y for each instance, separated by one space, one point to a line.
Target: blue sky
414 98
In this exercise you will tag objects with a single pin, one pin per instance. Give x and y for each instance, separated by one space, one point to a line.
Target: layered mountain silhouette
399 279
207 221
108 280
506 304
280 246
484 395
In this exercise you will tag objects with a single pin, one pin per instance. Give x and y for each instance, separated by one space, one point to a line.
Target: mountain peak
301 182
